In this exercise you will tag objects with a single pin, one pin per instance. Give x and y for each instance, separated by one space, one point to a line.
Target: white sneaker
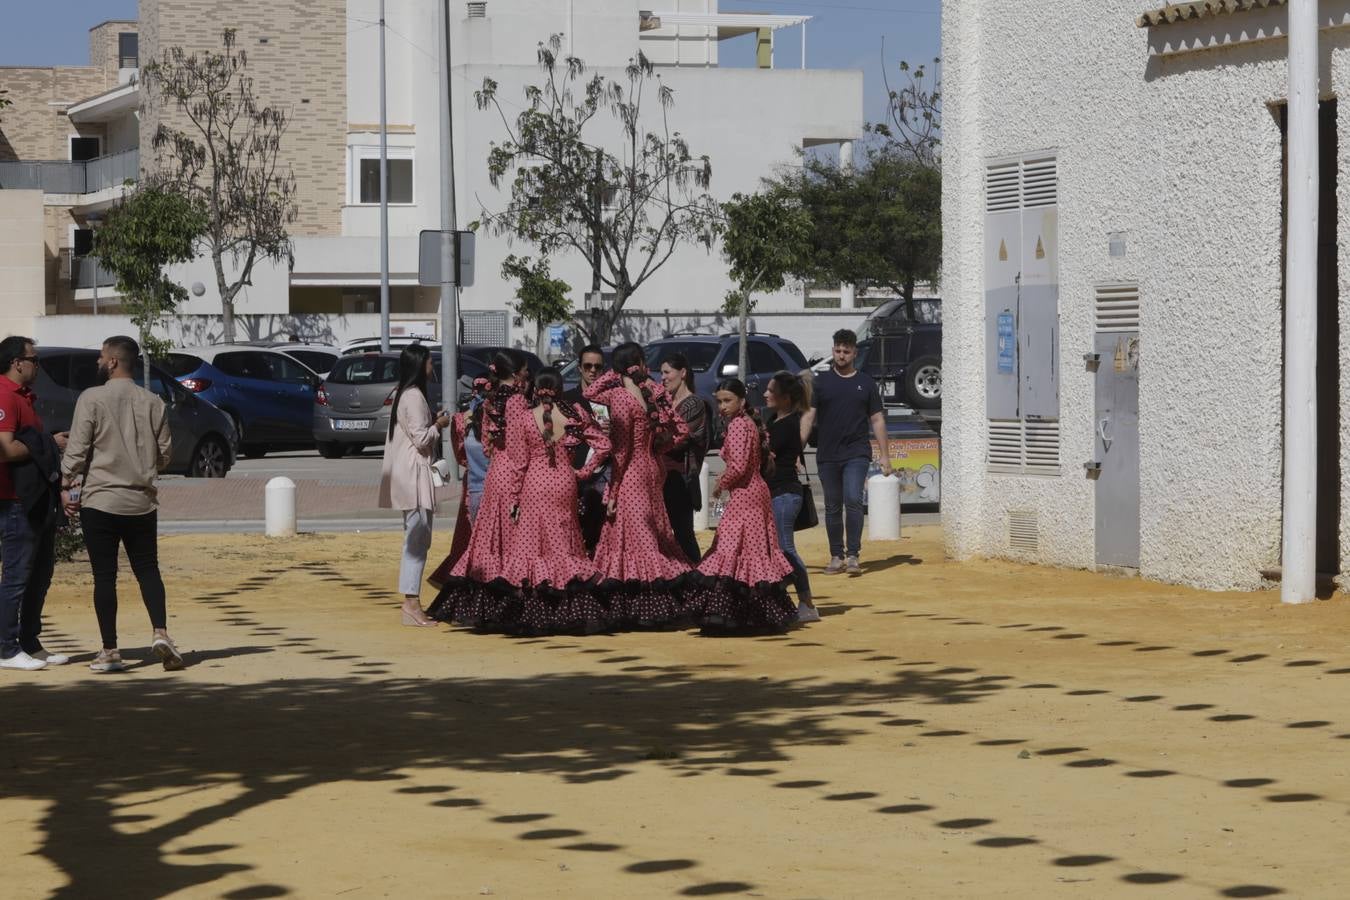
23 662
807 613
167 653
50 658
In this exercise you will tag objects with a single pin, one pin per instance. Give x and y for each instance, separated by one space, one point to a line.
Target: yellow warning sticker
1040 249
1002 251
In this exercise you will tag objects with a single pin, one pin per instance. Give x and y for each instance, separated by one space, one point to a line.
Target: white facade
1178 152
748 121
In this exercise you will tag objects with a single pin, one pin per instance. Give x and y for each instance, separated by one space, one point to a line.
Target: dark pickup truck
904 355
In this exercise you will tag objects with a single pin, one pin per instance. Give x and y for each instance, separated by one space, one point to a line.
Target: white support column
803 45
1298 581
847 294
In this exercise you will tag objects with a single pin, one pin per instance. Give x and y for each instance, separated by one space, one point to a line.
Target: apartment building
320 61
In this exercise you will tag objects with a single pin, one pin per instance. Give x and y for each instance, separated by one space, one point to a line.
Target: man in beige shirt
119 443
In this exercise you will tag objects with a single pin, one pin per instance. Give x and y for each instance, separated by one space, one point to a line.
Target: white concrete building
1113 186
321 61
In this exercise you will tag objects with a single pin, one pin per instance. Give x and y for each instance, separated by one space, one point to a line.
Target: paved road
331 495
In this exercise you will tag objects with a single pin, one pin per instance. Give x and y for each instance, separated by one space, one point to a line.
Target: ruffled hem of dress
726 604
499 605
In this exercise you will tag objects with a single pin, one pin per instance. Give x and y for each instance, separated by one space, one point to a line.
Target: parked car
481 352
318 358
269 395
204 439
351 407
714 357
372 344
904 355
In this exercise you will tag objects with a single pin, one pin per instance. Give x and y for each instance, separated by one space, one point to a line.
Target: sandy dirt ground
948 730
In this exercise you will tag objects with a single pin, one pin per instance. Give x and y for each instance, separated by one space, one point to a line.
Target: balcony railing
87 272
65 177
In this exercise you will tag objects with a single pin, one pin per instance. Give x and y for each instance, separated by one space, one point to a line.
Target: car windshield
881 313
927 311
701 354
365 370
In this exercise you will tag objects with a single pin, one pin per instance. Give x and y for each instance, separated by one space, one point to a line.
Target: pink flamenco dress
547 563
477 591
641 566
745 572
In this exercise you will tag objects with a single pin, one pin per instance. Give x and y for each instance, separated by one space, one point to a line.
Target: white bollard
280 507
705 495
883 508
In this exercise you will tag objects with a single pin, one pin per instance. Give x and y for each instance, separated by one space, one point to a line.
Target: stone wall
35 126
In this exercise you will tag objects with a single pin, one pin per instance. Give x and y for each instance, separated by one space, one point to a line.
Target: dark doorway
1328 351
1328 337
85 148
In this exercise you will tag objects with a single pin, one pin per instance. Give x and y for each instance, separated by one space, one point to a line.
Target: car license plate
351 424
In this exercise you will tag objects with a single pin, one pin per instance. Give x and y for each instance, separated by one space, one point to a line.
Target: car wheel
329 449
253 451
211 459
923 383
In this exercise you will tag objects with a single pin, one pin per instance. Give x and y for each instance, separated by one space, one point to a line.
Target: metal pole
1298 583
384 198
803 45
449 261
847 294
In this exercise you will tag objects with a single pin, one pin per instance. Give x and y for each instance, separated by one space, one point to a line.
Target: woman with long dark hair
405 478
638 558
681 487
470 593
746 567
787 397
548 567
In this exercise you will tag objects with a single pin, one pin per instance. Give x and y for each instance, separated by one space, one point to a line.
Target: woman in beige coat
405 481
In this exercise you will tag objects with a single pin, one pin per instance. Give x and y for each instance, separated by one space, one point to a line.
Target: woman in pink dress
638 560
476 590
746 569
547 562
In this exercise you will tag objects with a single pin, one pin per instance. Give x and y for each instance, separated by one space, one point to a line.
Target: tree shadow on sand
271 740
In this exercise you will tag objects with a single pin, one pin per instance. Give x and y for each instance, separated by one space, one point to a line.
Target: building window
128 50
85 148
82 241
365 174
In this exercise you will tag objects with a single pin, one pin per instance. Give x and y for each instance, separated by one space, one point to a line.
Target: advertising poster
917 460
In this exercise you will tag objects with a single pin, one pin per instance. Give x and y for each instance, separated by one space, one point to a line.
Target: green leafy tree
540 298
147 230
765 241
878 227
226 160
626 210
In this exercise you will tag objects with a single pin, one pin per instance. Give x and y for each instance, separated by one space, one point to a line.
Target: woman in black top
681 490
787 398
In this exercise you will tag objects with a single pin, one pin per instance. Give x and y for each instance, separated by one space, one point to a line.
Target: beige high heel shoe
418 620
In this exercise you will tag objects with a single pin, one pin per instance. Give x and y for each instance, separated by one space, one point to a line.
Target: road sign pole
449 286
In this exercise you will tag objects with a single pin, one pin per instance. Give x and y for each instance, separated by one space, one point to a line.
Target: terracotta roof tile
1182 12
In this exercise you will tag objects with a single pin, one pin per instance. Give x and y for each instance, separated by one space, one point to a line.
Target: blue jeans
785 509
27 560
842 482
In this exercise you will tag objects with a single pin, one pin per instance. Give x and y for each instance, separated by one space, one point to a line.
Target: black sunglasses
592 367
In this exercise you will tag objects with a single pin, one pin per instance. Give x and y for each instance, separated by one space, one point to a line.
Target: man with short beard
27 523
591 364
119 443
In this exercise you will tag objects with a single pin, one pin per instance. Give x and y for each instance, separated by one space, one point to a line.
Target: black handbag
806 516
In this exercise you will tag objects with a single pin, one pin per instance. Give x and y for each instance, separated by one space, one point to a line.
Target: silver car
351 407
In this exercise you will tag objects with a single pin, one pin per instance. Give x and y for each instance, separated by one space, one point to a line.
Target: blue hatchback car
269 395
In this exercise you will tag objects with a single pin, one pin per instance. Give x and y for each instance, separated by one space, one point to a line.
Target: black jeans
680 508
103 532
27 560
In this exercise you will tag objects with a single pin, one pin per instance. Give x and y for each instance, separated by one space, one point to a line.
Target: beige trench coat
405 480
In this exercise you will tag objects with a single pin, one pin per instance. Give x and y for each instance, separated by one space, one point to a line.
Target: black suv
904 355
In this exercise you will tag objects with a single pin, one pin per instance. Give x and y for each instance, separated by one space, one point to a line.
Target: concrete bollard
279 507
883 508
705 495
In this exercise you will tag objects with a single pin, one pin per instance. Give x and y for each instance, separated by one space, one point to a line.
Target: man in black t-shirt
847 413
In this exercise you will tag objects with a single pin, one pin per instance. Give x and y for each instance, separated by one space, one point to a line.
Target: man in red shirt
27 551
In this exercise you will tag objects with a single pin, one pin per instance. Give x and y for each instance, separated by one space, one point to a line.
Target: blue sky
844 34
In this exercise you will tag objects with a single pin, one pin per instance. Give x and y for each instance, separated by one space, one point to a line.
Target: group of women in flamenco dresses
524 567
